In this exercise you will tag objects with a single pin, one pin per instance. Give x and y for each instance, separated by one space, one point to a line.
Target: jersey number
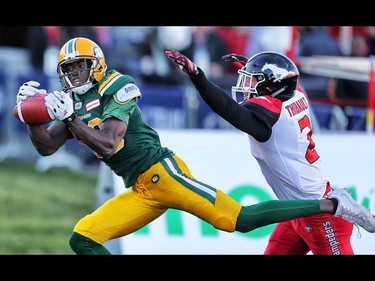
96 123
311 154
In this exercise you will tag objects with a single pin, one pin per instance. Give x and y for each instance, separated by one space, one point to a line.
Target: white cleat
352 211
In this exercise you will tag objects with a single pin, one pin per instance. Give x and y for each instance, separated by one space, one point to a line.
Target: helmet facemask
245 88
83 86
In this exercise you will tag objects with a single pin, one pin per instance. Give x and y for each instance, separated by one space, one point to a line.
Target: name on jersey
297 106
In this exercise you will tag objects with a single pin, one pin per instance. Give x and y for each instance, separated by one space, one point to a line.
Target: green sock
82 245
269 212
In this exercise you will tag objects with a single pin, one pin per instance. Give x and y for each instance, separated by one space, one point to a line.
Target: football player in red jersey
267 104
99 107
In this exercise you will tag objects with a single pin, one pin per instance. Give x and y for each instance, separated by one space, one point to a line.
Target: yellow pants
167 184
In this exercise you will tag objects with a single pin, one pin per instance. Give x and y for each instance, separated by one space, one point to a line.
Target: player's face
246 86
78 72
250 83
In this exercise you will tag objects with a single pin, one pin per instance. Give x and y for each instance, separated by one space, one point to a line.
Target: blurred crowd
139 51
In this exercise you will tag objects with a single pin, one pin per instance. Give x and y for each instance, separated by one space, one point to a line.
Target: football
32 110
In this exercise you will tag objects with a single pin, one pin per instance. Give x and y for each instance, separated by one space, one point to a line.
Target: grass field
38 210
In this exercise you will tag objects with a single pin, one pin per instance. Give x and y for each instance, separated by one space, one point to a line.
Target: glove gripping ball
32 110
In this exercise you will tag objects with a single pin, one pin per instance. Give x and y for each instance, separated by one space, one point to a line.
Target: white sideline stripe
197 185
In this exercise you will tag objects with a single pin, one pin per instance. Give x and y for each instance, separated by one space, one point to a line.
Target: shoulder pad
113 82
127 92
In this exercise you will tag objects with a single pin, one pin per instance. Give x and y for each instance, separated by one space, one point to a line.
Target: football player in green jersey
99 108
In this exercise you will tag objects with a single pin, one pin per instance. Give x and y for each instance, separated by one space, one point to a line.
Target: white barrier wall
222 159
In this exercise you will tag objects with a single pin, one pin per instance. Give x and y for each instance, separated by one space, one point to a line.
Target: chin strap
279 91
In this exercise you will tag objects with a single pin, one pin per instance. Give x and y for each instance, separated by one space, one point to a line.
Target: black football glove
183 62
235 58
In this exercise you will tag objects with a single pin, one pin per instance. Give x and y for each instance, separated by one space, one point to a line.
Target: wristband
70 119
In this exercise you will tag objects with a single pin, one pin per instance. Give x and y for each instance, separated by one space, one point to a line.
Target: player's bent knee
224 224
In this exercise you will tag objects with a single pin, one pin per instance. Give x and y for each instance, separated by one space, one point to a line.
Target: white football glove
29 89
60 104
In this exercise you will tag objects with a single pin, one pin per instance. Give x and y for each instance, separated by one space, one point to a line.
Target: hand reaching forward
29 89
235 58
183 62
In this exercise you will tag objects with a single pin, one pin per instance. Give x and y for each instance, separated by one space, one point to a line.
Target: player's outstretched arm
183 62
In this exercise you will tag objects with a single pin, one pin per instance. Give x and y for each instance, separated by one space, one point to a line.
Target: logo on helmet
98 52
278 73
70 56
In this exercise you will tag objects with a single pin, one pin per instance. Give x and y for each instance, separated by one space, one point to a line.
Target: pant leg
167 184
326 234
284 240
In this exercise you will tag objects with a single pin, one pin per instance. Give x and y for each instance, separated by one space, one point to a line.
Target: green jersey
117 96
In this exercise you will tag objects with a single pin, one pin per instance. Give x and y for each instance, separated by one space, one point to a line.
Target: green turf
38 210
